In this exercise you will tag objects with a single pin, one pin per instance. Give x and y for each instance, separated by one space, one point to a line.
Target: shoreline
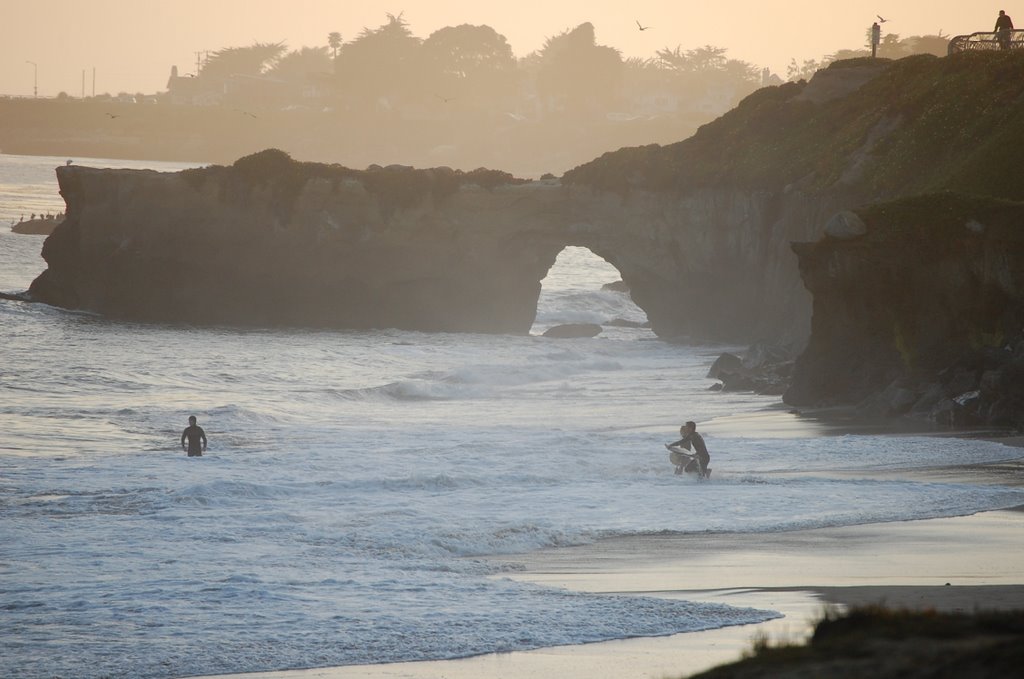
951 564
801 575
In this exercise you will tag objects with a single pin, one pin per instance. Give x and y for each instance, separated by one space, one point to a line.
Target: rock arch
434 250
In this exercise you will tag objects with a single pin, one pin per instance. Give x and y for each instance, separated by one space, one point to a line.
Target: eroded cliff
921 314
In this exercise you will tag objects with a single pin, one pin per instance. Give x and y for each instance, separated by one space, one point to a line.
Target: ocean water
355 480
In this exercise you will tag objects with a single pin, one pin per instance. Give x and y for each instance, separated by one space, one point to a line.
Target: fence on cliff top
984 40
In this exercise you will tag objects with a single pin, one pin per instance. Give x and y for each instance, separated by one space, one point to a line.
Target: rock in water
574 330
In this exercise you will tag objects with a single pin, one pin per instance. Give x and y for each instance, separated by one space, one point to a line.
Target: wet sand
964 564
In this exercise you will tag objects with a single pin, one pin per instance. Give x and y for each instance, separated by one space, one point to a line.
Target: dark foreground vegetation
888 644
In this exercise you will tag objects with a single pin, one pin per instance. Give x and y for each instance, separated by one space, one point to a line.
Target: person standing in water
196 438
690 438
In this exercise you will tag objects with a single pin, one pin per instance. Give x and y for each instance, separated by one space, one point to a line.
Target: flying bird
444 99
246 113
880 19
642 28
112 116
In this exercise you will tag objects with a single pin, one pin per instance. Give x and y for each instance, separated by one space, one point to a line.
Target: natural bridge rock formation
273 241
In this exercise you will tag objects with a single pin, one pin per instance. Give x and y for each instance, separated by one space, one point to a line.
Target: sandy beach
956 564
967 564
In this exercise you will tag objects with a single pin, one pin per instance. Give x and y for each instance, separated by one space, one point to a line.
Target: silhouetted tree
699 73
892 48
706 58
576 72
334 42
805 70
470 62
382 65
296 66
250 61
928 44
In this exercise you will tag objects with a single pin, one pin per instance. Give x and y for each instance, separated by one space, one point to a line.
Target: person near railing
1003 30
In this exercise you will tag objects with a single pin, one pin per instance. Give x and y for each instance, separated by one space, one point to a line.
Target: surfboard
679 458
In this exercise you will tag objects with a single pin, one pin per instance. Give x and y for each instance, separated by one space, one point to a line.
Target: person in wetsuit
691 439
196 438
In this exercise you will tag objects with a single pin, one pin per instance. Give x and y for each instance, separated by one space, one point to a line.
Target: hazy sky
132 44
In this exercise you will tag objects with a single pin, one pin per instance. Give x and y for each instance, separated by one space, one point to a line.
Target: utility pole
201 57
35 78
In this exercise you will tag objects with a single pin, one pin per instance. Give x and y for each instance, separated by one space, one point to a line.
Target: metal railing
986 40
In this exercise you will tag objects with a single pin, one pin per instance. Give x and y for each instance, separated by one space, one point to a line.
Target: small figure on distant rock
195 435
1003 30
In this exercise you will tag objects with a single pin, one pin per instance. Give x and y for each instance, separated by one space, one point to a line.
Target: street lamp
35 78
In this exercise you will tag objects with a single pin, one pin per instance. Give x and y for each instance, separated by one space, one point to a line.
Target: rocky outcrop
764 369
571 330
922 314
42 226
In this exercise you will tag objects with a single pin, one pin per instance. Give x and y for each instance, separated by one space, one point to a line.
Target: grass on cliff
924 124
943 218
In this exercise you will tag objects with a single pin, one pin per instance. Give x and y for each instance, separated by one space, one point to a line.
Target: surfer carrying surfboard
686 462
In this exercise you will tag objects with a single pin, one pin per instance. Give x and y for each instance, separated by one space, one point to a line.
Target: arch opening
582 287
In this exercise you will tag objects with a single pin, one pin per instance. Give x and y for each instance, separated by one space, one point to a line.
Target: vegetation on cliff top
394 186
940 219
924 124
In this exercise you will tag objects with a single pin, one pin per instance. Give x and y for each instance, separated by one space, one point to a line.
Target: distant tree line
474 66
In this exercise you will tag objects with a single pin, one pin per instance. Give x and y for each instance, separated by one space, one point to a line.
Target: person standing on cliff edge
1003 30
195 435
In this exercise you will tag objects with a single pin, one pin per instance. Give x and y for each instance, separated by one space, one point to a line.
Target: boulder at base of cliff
764 369
574 330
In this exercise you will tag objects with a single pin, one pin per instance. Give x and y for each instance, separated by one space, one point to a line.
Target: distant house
246 90
191 91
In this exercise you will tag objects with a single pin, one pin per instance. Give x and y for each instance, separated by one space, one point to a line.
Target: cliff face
270 241
923 313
